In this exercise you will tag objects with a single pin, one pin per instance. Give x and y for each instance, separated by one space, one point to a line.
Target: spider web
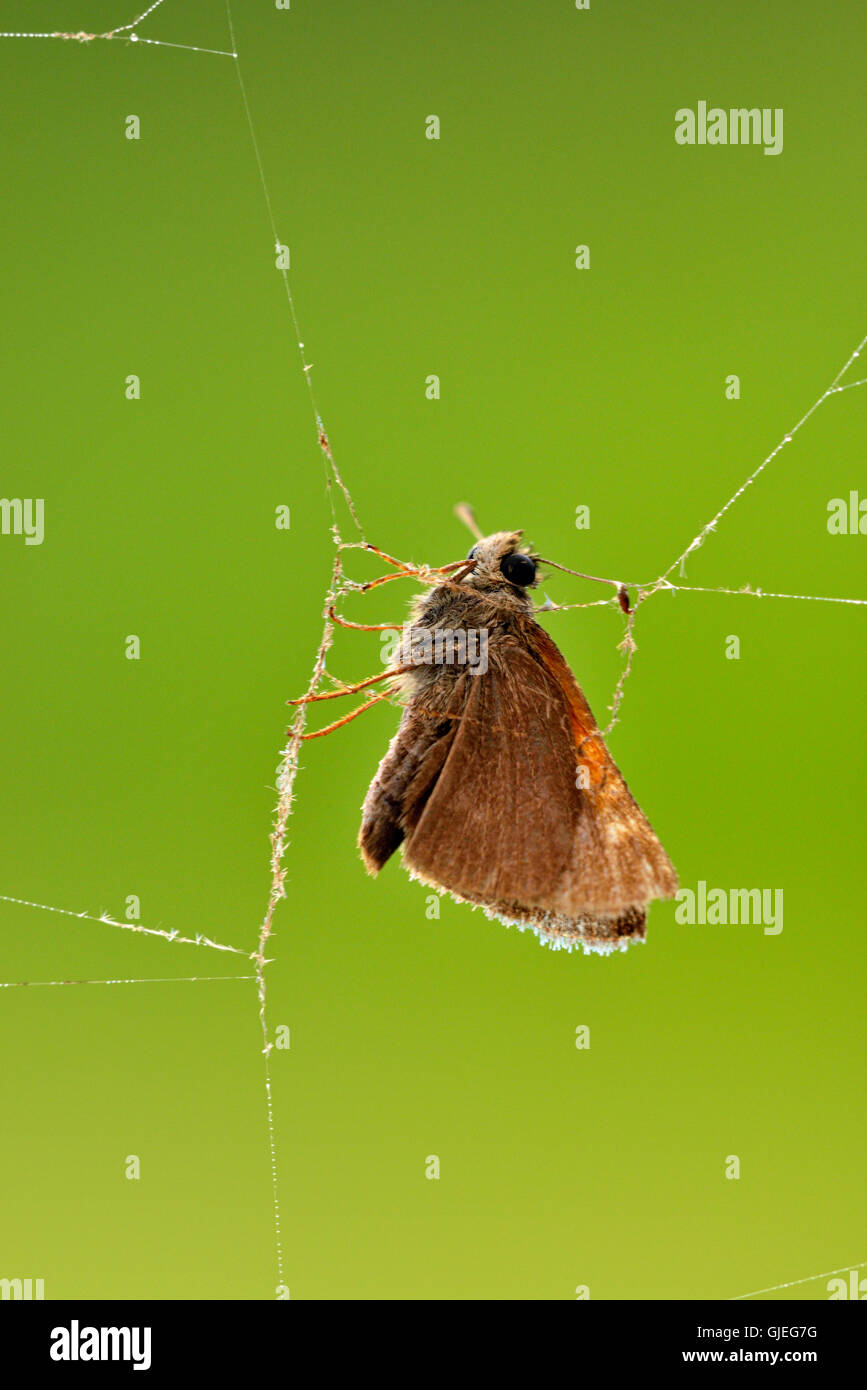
342 584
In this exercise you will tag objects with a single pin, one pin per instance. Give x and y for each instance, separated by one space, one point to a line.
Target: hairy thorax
450 633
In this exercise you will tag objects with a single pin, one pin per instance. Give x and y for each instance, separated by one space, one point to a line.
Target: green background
412 1037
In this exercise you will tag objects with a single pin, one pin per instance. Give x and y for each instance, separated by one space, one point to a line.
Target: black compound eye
472 554
518 569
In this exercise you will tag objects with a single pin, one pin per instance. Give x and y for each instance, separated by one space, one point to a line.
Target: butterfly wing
405 778
507 797
617 862
499 821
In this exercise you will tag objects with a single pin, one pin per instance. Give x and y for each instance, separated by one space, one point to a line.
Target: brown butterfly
497 784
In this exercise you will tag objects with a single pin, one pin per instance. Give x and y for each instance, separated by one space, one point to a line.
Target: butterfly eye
518 569
472 554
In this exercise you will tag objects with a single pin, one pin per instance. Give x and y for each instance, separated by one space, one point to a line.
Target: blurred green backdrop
410 257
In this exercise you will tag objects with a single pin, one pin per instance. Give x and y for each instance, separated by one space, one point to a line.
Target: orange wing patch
591 754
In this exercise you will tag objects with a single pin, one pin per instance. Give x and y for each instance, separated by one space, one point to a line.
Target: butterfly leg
389 559
349 689
338 723
425 576
361 627
414 569
401 574
423 573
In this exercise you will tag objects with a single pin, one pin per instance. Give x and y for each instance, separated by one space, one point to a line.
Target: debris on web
127 32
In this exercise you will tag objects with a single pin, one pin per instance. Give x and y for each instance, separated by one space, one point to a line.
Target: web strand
747 592
151 980
139 17
786 439
290 755
107 921
663 584
122 31
331 470
793 1283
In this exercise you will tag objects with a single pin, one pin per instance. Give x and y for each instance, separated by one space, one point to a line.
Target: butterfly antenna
622 591
465 513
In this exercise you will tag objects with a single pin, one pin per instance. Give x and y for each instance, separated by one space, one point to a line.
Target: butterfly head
502 563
